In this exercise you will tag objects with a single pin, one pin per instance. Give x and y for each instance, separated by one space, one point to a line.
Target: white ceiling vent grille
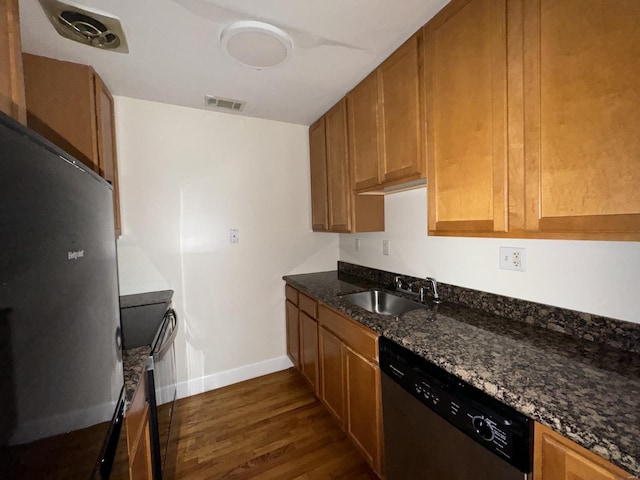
82 24
224 103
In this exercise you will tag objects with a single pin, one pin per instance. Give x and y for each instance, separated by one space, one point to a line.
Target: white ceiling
175 55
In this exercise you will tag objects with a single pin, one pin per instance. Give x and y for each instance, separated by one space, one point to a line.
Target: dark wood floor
270 427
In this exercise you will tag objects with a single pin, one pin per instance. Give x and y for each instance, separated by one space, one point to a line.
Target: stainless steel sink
378 301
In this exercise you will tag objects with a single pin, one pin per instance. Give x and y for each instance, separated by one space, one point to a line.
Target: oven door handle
170 315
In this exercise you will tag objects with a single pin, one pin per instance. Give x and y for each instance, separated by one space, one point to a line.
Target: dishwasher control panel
489 422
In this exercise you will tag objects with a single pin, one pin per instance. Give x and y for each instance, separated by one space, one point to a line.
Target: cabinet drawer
136 415
359 338
291 294
308 305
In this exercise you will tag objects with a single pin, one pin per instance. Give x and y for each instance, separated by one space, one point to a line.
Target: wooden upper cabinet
582 113
106 136
338 176
400 96
69 104
318 158
334 206
558 458
61 106
532 129
362 106
12 101
466 104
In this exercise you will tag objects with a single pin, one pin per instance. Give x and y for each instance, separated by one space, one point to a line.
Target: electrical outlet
234 235
385 247
357 246
512 258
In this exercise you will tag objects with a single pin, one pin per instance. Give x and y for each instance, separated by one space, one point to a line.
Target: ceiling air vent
85 25
224 103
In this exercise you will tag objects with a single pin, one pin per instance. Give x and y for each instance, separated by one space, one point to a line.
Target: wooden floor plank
269 428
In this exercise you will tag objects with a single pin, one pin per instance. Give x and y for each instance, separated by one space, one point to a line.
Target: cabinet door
581 117
107 158
293 333
12 101
557 458
362 106
318 158
466 71
138 438
140 464
332 373
309 349
61 105
364 425
338 177
401 103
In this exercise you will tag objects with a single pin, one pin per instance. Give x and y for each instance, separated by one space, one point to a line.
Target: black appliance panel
141 324
490 423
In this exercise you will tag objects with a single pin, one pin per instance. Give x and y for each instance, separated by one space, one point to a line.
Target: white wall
590 276
187 176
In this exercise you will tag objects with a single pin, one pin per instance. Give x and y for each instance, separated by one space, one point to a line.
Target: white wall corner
235 375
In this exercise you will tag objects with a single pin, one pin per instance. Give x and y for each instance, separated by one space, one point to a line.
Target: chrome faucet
434 288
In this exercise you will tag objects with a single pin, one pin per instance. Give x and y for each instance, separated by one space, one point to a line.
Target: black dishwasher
437 427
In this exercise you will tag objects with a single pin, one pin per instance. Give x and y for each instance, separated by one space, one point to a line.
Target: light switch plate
385 247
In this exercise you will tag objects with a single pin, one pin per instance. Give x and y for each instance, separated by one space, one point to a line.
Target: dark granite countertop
134 362
587 391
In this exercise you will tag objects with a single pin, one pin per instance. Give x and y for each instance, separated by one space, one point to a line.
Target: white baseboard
235 375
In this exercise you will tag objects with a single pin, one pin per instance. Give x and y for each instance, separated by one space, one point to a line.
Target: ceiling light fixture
256 44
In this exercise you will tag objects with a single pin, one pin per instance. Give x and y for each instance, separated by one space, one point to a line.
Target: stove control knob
482 428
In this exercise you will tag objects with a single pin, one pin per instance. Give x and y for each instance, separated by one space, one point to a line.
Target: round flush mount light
256 44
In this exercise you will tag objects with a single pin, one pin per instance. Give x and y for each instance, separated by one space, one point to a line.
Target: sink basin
378 301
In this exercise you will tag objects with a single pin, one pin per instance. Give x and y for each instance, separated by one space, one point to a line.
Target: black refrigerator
61 378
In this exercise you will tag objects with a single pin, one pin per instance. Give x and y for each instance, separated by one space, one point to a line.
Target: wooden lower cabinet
350 381
332 374
339 359
138 437
558 458
140 467
364 417
293 333
309 350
